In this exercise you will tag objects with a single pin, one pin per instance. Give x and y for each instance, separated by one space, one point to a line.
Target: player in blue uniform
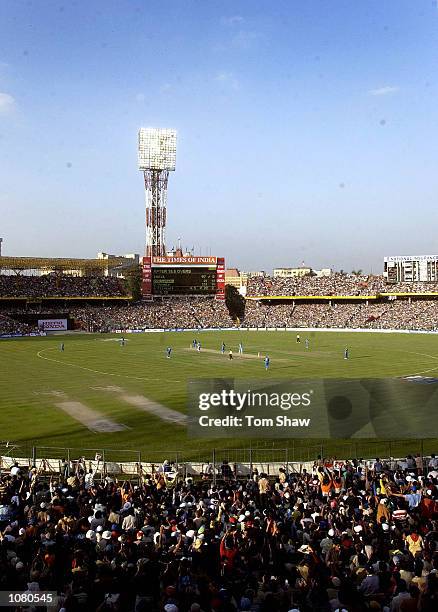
267 362
122 342
61 347
223 348
168 352
346 353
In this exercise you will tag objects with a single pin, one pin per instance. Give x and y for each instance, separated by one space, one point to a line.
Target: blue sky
307 130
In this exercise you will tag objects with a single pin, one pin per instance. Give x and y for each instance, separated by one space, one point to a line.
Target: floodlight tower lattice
156 158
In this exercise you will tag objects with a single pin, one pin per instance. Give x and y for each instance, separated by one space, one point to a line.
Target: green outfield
98 394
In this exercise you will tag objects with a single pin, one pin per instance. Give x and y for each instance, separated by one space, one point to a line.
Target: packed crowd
175 313
53 285
394 314
63 285
202 312
416 315
335 284
9 326
347 537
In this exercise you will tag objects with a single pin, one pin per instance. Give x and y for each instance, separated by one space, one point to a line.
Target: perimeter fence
293 457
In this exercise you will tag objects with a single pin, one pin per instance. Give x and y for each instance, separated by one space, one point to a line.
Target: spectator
264 544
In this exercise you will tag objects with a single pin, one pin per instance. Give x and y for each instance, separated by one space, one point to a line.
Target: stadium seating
102 313
335 284
352 536
61 285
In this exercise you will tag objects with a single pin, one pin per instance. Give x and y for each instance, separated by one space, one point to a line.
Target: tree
133 283
234 302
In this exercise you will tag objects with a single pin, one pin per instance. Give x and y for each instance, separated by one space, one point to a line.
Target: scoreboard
184 281
173 276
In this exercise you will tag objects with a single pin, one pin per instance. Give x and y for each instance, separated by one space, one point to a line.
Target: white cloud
232 20
384 91
7 103
227 78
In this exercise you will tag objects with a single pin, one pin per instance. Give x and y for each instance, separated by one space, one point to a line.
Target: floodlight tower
156 158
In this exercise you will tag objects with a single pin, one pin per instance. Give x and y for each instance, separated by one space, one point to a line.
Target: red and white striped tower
156 158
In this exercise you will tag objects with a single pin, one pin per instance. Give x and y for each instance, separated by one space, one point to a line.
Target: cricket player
346 353
267 362
168 352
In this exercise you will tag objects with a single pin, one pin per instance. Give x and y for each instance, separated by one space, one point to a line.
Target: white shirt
89 480
129 522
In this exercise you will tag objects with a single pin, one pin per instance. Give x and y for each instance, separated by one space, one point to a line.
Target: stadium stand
391 314
354 537
62 285
161 314
193 313
335 284
99 303
11 326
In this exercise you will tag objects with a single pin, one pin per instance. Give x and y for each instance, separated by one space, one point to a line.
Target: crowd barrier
341 329
131 469
32 334
279 329
244 329
174 329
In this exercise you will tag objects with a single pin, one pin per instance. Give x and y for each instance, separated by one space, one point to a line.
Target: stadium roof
59 263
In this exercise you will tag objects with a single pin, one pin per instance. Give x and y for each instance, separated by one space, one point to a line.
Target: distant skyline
307 131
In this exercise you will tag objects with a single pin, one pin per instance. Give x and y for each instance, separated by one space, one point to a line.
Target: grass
35 375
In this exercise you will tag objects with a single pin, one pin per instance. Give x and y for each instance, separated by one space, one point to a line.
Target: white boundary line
76 365
423 371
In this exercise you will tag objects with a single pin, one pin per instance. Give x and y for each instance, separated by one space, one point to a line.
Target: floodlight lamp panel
156 149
